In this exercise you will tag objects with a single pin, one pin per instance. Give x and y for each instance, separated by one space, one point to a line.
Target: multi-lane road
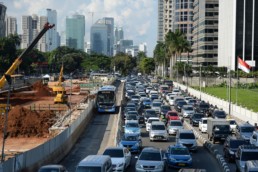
96 136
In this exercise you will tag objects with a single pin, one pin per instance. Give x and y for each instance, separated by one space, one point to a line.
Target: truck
217 129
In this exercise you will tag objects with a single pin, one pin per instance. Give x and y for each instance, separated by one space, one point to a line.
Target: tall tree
160 56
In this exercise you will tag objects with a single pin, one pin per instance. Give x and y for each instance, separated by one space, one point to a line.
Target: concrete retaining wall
238 112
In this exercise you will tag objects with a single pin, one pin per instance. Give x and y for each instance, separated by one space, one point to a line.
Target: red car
172 115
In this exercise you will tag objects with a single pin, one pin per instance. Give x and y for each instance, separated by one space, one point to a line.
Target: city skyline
144 29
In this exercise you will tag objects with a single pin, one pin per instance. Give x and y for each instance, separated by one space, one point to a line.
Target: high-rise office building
75 31
160 20
168 17
205 33
10 25
2 19
52 35
143 47
102 36
26 31
119 34
238 32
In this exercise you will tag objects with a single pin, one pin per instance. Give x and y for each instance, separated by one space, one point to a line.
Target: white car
203 125
171 100
120 157
232 124
149 121
167 96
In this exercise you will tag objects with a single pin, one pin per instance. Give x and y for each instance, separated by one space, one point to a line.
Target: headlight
190 159
120 165
152 134
137 144
172 159
138 166
231 152
159 167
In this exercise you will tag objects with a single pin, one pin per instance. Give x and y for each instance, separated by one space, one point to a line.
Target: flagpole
237 86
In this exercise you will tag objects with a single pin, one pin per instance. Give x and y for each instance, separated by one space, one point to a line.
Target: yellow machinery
18 61
59 89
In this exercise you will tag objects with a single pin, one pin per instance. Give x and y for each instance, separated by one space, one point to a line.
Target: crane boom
18 61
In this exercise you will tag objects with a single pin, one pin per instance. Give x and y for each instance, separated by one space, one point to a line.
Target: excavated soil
25 123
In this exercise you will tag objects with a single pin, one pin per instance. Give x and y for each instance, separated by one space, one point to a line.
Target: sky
137 17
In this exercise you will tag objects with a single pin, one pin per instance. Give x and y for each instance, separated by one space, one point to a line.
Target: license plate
181 164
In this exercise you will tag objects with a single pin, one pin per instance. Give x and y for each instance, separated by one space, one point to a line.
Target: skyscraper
102 36
168 17
10 26
160 20
205 33
26 31
2 19
119 34
238 32
52 35
75 31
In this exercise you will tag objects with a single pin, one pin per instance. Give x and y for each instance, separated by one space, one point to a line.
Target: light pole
9 81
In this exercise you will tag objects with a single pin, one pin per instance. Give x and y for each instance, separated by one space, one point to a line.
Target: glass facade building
75 31
2 19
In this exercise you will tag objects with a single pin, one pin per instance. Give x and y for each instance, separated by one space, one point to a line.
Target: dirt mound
25 123
41 89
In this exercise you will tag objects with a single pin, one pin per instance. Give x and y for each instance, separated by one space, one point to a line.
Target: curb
210 147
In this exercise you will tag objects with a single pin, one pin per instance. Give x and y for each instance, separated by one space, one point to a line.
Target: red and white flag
243 65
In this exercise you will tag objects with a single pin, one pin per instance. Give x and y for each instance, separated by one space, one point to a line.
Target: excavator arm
18 61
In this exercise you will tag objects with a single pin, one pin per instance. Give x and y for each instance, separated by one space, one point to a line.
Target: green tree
160 57
147 65
123 63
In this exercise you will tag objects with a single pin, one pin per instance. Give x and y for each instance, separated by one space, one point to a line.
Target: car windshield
156 104
88 169
187 136
176 123
151 120
204 106
179 151
247 129
220 113
129 124
150 112
232 122
150 156
204 121
181 103
49 170
199 116
158 127
146 100
246 156
188 108
172 114
132 112
166 108
131 117
236 143
130 138
192 101
114 153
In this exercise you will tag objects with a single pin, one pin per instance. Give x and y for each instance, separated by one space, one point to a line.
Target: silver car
150 160
158 131
156 106
174 125
187 138
187 110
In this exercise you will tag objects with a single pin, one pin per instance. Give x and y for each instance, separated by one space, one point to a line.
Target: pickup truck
217 129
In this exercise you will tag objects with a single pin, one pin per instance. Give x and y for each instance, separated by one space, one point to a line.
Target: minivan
100 163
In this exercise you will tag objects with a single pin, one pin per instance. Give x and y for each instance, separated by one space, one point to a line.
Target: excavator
59 89
18 61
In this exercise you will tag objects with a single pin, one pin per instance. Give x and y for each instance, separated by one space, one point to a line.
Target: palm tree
159 56
176 43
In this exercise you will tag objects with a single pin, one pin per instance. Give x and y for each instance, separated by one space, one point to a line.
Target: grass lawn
244 97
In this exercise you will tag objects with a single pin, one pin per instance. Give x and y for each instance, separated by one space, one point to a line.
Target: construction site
34 114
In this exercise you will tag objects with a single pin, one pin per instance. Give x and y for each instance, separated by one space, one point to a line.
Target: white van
100 163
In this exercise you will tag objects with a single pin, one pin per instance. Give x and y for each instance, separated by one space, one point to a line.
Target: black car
149 113
179 105
231 145
141 120
196 118
164 109
202 107
219 114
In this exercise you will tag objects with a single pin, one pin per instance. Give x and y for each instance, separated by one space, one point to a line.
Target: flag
243 65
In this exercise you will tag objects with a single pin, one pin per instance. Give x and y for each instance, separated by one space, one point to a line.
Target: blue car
178 156
132 127
132 142
146 103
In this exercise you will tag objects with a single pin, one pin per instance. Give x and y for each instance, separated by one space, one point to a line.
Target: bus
106 99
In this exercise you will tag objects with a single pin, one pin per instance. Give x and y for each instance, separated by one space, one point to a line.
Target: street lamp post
9 81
